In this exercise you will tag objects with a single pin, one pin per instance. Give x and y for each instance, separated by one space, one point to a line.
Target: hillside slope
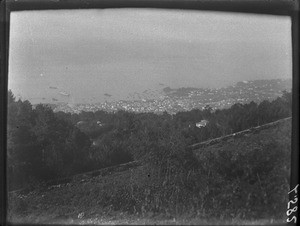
239 180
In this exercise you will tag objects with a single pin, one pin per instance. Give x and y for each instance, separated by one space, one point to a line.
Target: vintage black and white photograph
149 116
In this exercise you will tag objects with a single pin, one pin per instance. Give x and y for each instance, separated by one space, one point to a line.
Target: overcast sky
87 53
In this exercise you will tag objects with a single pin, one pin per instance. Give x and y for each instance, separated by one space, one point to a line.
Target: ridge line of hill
242 133
125 166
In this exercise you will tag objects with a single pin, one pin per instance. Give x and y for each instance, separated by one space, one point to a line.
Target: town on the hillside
186 99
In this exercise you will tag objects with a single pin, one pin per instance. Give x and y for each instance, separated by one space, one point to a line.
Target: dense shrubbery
41 146
247 178
45 145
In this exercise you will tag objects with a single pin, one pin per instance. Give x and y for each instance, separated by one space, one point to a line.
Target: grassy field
232 169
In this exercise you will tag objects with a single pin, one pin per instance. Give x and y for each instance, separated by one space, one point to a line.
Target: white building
202 123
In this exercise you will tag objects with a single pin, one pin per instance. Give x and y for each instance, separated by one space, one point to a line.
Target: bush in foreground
246 178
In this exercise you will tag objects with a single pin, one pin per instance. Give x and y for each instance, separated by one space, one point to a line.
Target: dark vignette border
271 7
3 103
278 7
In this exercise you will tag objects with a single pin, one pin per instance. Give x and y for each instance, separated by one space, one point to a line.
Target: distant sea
88 92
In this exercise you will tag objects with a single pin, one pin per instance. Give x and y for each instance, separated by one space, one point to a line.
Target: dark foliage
244 178
247 178
45 145
42 146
